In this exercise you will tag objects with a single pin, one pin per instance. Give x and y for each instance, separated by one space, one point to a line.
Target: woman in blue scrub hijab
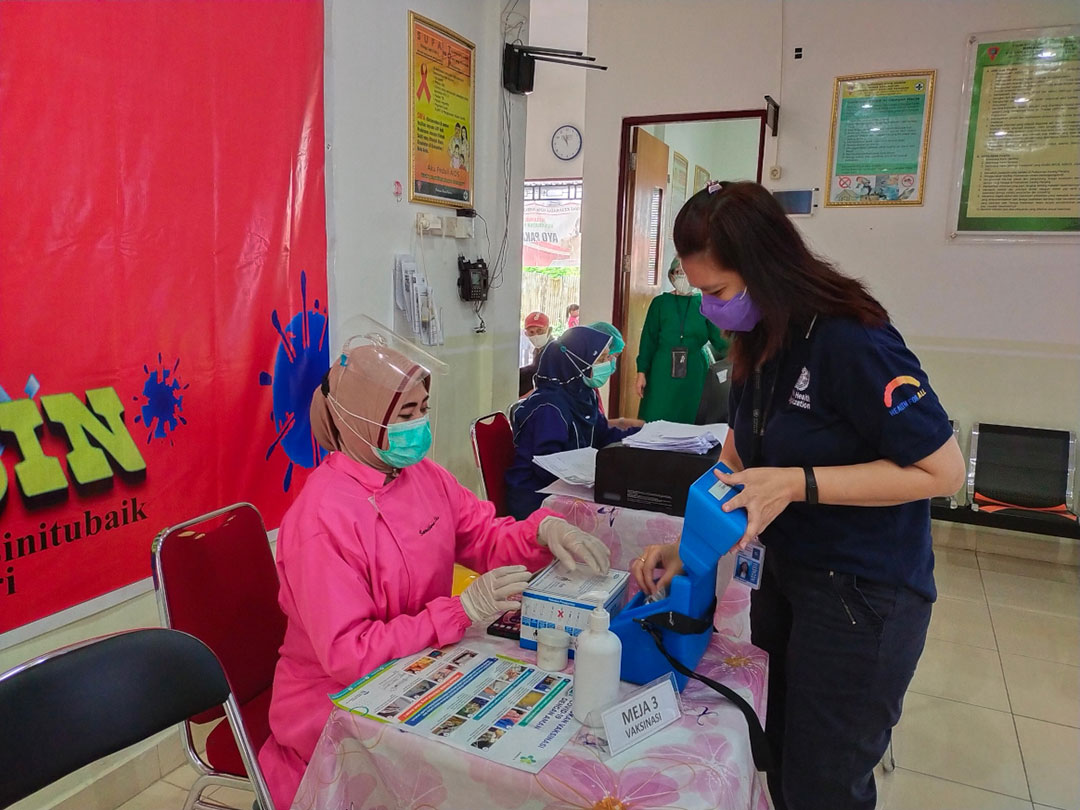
561 413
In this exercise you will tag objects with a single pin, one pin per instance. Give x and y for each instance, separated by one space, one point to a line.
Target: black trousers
842 651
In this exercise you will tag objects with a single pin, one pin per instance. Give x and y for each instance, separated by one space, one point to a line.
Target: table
703 761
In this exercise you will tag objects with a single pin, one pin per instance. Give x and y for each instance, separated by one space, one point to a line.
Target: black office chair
713 407
74 706
1022 476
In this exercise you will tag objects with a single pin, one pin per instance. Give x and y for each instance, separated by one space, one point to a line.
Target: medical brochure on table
488 705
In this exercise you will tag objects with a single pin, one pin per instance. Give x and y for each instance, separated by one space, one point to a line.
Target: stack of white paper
662 435
572 466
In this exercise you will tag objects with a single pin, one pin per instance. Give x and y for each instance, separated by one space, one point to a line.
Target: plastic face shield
394 365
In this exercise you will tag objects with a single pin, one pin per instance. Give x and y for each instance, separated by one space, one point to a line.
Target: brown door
642 253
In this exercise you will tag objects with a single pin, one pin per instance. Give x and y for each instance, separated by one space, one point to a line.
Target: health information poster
442 73
879 138
485 704
1021 163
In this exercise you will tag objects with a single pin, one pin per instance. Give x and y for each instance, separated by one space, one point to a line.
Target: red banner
162 278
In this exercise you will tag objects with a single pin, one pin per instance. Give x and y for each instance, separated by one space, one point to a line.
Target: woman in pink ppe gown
365 555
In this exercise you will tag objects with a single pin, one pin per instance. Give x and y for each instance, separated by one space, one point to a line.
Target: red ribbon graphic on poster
423 89
163 251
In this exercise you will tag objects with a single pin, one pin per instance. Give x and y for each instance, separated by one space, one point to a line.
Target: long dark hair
743 228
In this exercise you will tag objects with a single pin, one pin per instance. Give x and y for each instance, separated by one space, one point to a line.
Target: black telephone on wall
473 279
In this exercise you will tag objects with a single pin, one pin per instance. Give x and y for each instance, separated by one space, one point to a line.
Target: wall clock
566 142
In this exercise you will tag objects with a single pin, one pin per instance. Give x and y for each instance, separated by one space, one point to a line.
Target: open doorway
664 161
550 268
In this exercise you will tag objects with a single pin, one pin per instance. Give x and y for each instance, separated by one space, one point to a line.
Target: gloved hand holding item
569 544
490 594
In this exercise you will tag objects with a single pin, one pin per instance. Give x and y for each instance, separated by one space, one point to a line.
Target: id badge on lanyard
679 357
748 565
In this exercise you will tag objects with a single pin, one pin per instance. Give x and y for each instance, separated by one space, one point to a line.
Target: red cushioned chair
215 578
493 449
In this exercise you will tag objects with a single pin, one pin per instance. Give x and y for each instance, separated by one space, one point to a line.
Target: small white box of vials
564 599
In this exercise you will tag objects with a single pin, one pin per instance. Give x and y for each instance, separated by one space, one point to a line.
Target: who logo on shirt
799 398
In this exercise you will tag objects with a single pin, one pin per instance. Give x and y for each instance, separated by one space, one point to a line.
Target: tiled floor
992 718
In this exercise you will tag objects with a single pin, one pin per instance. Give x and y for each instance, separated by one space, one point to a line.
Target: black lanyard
760 416
686 311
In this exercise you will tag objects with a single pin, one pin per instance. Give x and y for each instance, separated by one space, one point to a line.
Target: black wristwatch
811 485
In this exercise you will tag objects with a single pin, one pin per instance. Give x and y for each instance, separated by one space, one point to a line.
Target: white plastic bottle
597 665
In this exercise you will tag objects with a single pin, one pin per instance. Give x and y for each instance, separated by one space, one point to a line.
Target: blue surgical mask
601 372
408 442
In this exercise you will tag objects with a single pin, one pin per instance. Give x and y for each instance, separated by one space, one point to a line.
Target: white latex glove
570 544
489 594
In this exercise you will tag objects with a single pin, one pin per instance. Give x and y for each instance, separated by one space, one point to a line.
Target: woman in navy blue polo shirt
839 442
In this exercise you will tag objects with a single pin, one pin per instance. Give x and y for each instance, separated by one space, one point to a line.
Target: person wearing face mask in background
365 554
671 361
535 335
839 443
561 414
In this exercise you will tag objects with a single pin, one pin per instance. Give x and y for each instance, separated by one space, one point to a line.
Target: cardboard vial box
564 599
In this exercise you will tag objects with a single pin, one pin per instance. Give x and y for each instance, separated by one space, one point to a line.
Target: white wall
367 124
997 326
558 96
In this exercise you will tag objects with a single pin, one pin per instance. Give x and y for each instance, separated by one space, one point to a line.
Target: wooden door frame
618 312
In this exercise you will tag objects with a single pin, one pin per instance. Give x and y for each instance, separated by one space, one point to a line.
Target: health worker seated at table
561 414
365 555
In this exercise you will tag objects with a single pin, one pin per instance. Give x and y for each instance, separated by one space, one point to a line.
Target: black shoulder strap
760 749
679 622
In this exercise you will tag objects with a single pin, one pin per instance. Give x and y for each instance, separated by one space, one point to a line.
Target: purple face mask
740 314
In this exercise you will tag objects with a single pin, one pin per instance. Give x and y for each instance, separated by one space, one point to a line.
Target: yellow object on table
463 578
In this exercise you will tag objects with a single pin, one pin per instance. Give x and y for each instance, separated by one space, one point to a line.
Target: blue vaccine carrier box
708 534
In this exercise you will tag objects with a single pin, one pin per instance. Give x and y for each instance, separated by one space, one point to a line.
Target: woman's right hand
664 556
640 385
489 595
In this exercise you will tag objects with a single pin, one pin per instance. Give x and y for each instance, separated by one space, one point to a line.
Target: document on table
558 487
572 466
488 705
661 435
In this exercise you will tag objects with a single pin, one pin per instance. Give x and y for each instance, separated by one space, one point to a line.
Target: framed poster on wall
879 137
701 178
1018 148
442 101
680 169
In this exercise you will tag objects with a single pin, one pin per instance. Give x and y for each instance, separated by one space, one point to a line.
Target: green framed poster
879 137
1020 160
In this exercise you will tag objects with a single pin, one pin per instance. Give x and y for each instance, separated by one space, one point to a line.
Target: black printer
654 480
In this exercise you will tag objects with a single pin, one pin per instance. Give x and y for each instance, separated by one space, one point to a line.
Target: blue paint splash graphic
301 359
164 402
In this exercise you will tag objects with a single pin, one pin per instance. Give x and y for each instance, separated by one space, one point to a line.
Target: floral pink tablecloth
703 761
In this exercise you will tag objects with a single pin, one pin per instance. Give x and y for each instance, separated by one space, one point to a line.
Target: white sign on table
648 710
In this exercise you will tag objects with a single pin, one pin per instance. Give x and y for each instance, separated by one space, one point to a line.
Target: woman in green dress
672 362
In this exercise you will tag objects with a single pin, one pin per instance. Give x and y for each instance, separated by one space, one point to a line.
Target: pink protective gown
366 573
